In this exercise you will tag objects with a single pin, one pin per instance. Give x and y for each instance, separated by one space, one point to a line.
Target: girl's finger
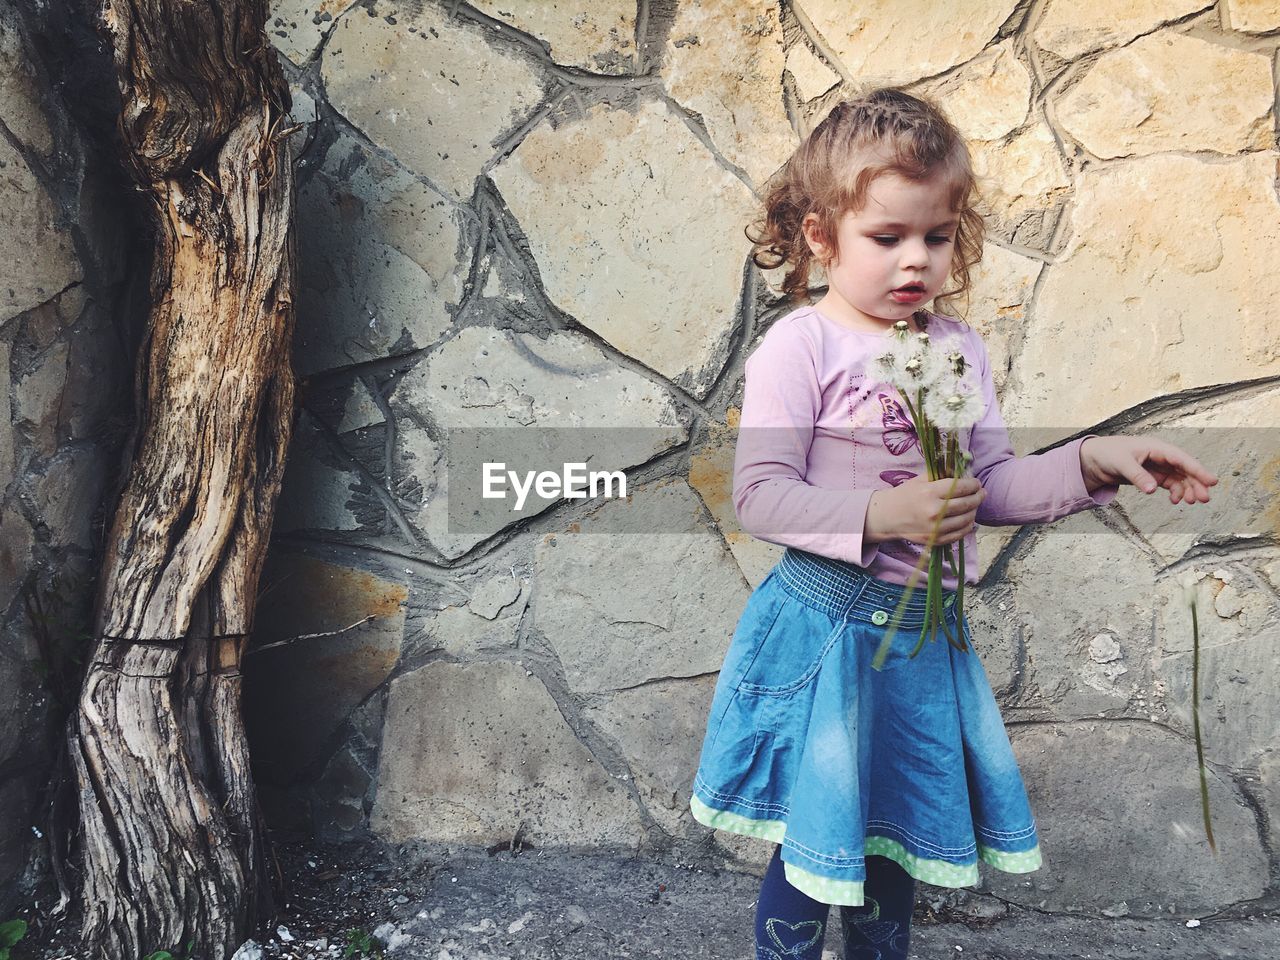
1140 478
1180 459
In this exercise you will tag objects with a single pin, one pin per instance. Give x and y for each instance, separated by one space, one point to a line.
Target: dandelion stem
1195 716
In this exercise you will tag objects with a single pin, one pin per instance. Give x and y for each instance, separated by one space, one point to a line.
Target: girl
871 779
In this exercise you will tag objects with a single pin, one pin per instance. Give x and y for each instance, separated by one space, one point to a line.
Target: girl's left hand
1146 464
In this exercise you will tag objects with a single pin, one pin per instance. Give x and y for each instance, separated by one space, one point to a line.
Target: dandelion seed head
1189 585
954 403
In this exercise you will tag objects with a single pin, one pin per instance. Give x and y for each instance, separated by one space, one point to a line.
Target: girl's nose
915 253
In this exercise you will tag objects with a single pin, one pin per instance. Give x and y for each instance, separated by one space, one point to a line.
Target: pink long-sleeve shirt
820 431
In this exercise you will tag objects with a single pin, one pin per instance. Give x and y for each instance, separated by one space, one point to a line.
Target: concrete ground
554 906
432 902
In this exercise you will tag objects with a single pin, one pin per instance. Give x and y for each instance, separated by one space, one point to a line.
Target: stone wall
529 214
66 352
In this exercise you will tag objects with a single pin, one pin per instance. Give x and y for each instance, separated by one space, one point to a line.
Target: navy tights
791 925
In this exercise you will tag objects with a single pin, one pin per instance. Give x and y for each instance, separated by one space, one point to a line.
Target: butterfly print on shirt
899 437
899 433
895 477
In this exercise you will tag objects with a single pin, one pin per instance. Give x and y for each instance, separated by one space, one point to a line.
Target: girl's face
903 237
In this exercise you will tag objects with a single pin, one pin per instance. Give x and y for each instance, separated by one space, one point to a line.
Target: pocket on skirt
790 653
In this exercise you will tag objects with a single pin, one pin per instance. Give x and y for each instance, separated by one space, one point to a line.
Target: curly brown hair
885 130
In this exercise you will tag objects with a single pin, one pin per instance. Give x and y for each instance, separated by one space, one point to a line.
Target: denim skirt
810 747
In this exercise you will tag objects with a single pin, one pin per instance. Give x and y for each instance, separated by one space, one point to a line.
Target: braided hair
885 130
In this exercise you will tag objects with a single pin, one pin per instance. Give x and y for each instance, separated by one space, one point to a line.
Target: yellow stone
1070 28
986 98
1168 283
1168 91
901 41
724 62
1252 16
1025 185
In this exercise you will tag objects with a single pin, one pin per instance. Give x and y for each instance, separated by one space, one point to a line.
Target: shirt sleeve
1037 488
781 403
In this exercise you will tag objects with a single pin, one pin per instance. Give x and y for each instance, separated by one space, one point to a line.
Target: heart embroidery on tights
774 926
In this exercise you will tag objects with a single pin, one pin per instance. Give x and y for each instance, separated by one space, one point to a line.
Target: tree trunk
173 845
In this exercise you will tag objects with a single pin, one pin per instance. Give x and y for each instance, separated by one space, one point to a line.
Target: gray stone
711 475
599 36
489 621
1266 786
68 494
38 250
19 794
473 753
1239 673
337 807
381 261
637 232
360 409
20 107
1003 285
366 719
1117 807
37 398
571 403
15 554
296 27
609 604
443 120
23 702
1232 435
345 627
998 634
659 729
7 461
490 597
421 485
318 492
1074 582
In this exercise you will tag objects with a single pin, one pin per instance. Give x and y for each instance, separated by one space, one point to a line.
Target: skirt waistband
846 591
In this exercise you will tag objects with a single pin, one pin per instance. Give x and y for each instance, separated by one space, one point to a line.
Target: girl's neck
854 321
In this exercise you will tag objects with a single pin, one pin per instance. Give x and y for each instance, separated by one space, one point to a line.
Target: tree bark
173 845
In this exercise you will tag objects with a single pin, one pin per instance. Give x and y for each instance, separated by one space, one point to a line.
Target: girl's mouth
909 293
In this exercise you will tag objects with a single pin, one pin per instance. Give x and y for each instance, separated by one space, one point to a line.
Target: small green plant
11 931
174 954
361 943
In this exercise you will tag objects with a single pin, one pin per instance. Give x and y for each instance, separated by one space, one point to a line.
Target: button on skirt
810 747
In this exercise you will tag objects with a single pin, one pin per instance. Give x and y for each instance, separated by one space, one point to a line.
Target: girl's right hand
910 510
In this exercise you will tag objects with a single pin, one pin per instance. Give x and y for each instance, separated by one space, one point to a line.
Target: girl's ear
813 236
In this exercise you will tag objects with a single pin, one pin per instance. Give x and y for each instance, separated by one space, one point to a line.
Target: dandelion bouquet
943 398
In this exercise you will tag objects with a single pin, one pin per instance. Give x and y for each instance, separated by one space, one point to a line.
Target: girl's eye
888 240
